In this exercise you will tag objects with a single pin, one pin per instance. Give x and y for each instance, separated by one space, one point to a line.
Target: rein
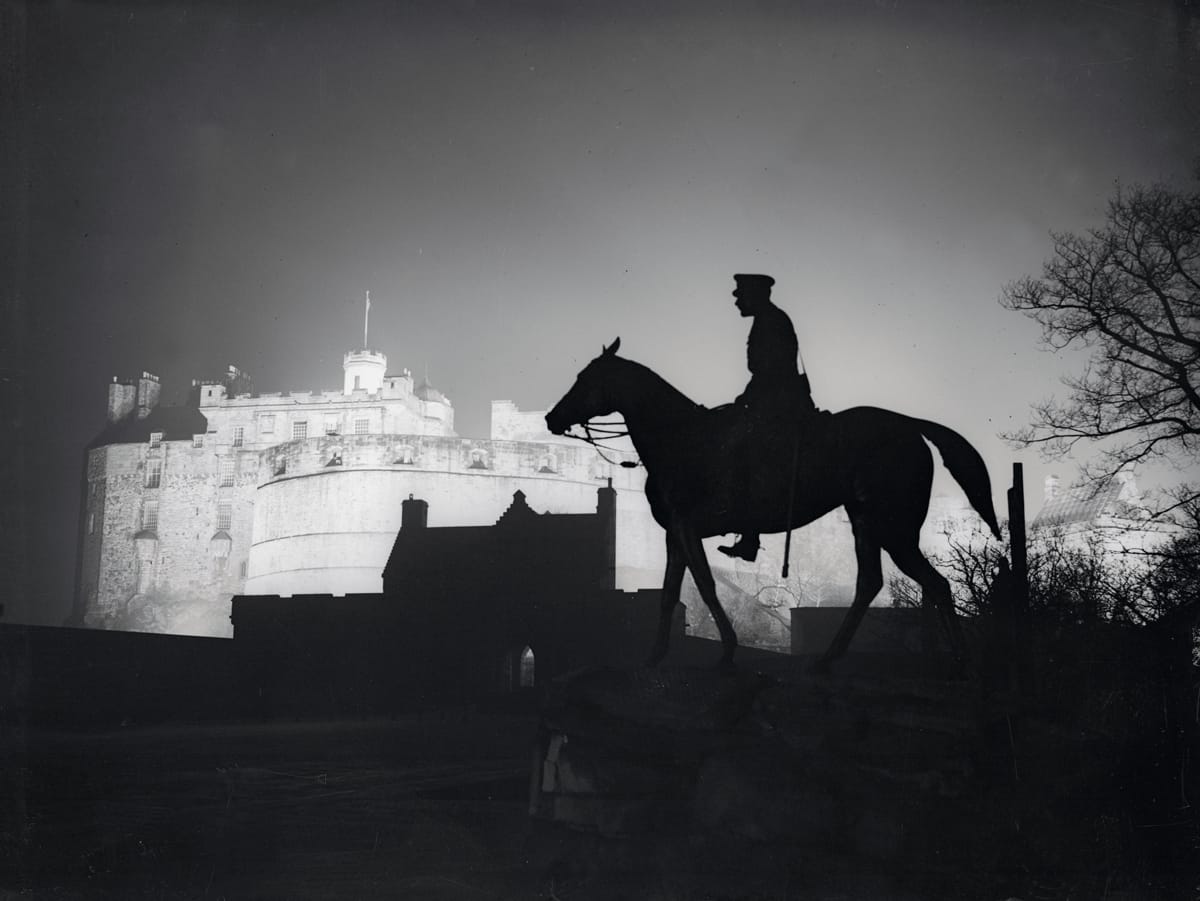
606 435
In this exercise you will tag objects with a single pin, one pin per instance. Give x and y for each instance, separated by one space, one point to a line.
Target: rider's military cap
759 282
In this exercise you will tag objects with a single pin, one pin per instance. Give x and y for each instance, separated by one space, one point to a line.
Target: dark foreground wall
65 678
318 655
884 630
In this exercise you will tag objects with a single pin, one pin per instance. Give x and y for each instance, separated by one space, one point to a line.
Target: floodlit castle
301 492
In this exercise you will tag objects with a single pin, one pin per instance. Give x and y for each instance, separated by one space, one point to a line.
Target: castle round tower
364 371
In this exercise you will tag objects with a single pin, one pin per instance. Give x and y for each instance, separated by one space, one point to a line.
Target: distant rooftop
174 423
1118 497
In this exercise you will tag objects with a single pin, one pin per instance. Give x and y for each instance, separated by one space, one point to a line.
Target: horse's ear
612 349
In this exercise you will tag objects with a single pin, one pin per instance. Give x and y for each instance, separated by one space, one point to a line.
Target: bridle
606 434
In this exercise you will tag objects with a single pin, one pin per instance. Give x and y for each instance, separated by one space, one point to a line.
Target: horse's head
589 396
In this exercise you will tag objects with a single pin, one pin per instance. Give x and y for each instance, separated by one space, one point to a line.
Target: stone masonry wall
193 575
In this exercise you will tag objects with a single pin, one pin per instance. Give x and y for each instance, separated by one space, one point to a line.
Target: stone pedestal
934 787
621 751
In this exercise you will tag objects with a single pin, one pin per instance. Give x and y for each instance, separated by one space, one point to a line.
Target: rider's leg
745 548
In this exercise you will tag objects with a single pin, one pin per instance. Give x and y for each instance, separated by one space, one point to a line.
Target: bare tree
1072 578
1130 293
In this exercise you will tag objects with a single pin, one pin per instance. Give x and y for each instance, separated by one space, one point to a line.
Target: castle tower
364 371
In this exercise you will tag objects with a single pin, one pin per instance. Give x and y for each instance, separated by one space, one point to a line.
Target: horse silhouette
714 471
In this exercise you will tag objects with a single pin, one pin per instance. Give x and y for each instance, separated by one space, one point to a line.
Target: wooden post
1019 598
1016 540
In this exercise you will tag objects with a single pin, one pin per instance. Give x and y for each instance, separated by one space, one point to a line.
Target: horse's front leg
697 562
672 583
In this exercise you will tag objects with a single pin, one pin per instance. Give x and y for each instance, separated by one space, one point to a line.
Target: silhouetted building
466 612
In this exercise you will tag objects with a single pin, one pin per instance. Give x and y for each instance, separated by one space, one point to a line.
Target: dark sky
517 183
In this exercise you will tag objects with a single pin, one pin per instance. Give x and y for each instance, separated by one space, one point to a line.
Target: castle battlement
444 454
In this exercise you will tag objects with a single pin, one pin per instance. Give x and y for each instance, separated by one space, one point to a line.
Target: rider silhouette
778 391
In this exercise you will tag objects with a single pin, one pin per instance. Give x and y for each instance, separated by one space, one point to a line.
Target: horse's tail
966 466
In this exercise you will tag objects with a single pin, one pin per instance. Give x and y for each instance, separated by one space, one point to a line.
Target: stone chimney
122 398
237 382
1051 489
148 390
414 513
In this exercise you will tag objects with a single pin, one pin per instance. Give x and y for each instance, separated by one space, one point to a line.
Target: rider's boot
745 548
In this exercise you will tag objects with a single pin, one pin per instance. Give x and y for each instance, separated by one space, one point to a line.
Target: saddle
757 444
745 424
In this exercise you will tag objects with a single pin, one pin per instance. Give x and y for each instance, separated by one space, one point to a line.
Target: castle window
478 459
242 568
335 457
527 668
227 471
357 382
156 439
332 426
548 463
299 430
266 424
197 441
150 516
281 466
405 454
239 436
361 426
224 516
153 473
91 523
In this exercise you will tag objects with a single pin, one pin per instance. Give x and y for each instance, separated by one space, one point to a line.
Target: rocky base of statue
914 784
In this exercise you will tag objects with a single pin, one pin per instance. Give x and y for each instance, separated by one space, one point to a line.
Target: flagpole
367 322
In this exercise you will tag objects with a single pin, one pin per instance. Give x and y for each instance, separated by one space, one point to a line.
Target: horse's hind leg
693 553
867 585
672 582
935 591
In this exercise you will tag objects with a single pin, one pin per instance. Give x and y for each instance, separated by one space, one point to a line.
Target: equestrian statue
771 462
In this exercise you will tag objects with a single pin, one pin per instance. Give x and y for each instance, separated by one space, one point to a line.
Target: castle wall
329 529
512 424
267 420
193 573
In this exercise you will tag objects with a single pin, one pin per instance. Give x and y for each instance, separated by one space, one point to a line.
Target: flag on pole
366 322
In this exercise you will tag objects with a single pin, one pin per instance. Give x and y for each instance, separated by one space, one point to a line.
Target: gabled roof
177 423
519 511
561 547
1085 506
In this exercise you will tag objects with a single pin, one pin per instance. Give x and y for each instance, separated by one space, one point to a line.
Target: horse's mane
654 386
